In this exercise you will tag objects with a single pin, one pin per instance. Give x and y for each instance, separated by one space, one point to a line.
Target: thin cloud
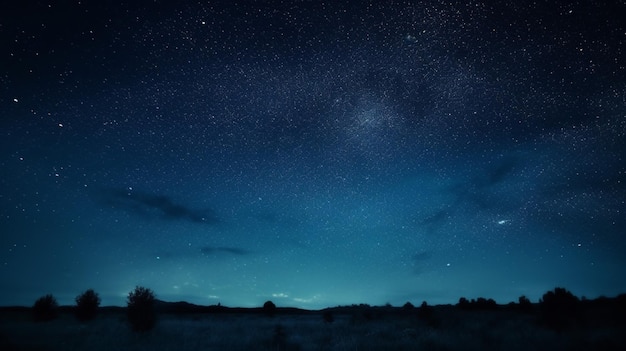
161 206
214 250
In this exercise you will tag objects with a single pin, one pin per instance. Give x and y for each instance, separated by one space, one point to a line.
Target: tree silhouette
141 314
463 303
559 308
524 304
426 313
87 305
45 308
269 308
482 303
408 306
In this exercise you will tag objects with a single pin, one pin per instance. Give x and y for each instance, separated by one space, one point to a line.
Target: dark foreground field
352 328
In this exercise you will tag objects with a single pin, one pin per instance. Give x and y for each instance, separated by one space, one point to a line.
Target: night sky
312 153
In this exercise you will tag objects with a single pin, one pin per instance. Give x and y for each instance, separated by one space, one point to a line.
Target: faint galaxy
312 153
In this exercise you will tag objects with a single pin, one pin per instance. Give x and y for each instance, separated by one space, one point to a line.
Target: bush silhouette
141 314
425 310
524 304
45 308
480 303
463 303
87 305
269 308
559 308
426 313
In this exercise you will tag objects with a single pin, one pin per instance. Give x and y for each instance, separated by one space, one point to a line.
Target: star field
312 153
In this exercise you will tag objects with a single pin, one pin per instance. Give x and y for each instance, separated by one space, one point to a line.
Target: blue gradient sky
310 153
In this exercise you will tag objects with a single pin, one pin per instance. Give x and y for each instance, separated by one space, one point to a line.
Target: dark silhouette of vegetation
426 313
269 308
363 312
87 305
45 308
480 303
408 309
477 324
366 311
620 302
141 313
619 309
598 325
560 309
408 306
524 304
463 304
485 304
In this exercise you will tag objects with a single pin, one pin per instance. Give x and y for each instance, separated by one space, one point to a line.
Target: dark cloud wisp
161 206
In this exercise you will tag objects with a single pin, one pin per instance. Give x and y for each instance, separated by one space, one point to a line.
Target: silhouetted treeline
557 309
480 303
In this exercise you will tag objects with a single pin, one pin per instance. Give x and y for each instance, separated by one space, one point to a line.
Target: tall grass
456 330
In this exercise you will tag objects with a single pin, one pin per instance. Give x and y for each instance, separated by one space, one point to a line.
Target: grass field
447 329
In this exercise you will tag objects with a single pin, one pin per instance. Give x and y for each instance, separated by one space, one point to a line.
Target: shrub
408 306
463 303
45 308
426 313
269 308
141 314
87 305
482 303
366 311
524 304
559 308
